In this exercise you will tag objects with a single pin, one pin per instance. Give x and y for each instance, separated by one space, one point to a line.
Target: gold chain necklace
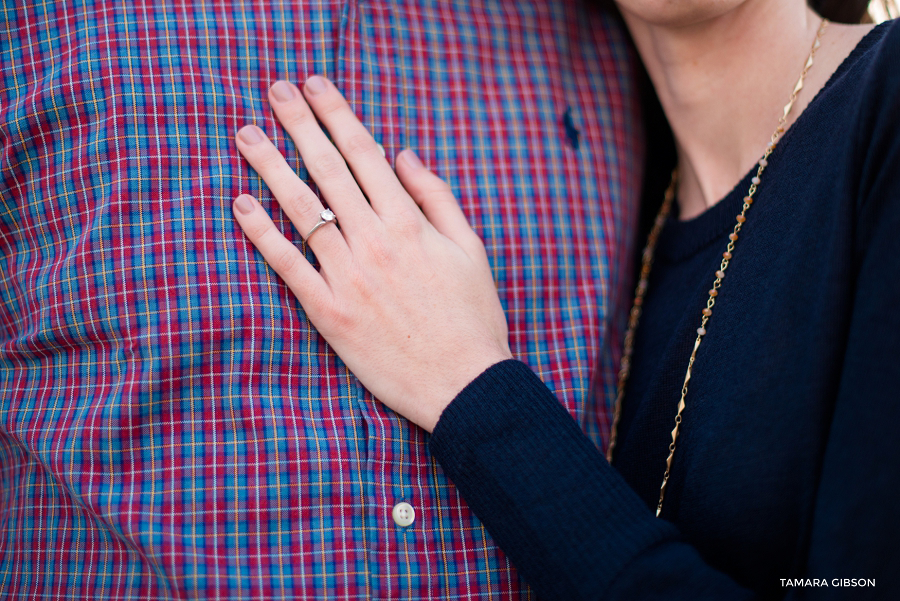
706 314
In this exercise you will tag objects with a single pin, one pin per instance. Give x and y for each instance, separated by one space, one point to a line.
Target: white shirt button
403 514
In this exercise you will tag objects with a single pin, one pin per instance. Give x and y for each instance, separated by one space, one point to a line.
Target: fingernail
251 134
316 85
283 91
412 160
244 204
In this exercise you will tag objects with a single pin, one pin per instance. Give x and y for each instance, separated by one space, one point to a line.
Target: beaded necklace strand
706 313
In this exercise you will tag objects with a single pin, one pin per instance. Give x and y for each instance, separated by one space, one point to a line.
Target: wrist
455 382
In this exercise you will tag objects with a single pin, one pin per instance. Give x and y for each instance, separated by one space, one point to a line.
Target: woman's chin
677 13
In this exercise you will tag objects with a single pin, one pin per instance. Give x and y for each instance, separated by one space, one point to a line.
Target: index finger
284 257
357 146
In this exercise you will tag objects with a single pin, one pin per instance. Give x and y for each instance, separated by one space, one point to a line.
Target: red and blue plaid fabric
171 426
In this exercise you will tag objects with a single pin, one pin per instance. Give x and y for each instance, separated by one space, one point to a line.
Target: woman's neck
723 81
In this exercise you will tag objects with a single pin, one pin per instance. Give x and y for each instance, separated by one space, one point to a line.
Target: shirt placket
400 558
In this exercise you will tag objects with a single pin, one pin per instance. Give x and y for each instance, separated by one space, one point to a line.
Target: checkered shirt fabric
171 426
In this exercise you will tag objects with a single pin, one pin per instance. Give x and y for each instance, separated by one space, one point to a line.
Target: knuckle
380 252
295 116
359 144
408 222
445 196
285 261
319 306
340 317
440 195
268 160
300 203
360 282
328 164
331 105
433 186
439 186
259 231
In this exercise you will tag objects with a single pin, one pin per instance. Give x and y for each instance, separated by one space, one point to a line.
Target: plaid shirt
171 426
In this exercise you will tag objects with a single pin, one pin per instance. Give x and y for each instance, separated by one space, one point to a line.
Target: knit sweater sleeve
567 520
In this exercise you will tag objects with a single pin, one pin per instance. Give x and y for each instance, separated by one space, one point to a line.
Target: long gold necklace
706 313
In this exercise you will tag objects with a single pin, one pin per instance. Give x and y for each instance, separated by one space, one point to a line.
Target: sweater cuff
563 515
489 404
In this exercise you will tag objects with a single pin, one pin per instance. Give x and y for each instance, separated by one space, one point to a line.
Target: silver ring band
325 217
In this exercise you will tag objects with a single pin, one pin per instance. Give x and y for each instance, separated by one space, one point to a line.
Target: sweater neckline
681 240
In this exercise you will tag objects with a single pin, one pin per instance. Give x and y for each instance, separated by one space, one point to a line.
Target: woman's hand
404 296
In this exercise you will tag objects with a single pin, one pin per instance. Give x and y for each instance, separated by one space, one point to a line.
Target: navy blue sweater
788 461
